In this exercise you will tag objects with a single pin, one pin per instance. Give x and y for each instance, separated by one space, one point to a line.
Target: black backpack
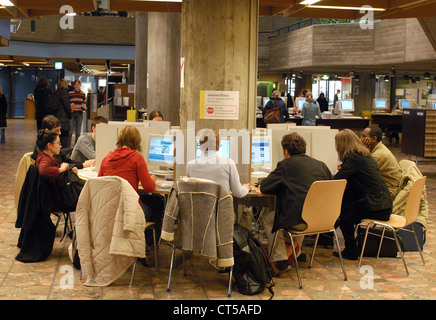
70 186
252 271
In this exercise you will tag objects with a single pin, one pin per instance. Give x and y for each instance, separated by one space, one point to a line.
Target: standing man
78 105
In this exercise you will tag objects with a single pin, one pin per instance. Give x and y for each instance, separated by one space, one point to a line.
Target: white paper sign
222 105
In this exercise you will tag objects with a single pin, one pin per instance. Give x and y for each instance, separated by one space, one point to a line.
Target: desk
257 199
337 123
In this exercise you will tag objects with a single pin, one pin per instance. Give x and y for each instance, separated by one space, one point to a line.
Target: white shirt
219 169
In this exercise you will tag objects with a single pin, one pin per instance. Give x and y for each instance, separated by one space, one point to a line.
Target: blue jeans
308 123
76 125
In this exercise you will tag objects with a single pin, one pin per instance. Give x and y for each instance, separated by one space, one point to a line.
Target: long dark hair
42 83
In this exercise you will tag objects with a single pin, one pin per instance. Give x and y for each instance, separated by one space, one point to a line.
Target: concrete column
141 45
363 100
219 45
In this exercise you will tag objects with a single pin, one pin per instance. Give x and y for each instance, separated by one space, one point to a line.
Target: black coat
290 182
41 100
33 217
3 111
59 106
365 185
323 104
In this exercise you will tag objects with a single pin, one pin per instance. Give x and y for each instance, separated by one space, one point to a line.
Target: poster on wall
219 105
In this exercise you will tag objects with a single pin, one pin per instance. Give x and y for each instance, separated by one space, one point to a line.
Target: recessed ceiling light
309 2
346 8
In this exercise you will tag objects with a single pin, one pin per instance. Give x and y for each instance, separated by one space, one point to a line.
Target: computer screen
434 105
260 150
347 105
224 150
299 103
404 104
161 149
265 101
380 104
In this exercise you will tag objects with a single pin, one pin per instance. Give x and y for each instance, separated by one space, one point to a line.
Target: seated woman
126 162
155 115
49 146
216 168
366 195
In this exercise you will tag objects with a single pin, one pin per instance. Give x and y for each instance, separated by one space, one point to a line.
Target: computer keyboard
163 184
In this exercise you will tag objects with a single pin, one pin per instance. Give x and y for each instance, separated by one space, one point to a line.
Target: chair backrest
414 200
322 205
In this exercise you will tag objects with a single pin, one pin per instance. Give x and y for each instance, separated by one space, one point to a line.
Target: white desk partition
163 125
280 126
106 139
276 145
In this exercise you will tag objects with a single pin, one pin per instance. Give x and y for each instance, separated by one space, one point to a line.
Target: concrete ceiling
393 9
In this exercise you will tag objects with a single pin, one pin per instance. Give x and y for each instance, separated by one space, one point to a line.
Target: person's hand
339 166
64 167
84 106
366 142
247 185
75 170
153 177
89 163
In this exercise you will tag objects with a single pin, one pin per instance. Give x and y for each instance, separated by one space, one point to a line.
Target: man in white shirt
216 168
85 146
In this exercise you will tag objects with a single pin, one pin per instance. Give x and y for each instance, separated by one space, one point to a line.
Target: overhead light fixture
393 72
309 2
325 77
406 77
386 78
300 74
427 75
345 8
6 3
356 77
372 75
417 79
352 72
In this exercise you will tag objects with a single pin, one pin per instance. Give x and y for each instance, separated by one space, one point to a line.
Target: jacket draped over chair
110 228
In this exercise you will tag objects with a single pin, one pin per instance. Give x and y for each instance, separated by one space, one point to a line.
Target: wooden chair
396 222
321 209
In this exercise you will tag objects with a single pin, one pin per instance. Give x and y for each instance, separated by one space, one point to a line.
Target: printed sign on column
219 105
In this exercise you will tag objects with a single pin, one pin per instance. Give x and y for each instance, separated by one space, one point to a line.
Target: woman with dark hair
155 115
366 195
41 93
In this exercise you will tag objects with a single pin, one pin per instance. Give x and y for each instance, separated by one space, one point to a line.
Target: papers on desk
87 173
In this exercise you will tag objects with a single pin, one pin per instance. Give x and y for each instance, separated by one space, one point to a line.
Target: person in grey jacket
310 110
85 146
290 182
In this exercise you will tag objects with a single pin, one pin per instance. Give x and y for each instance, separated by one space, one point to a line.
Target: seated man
85 146
290 182
387 163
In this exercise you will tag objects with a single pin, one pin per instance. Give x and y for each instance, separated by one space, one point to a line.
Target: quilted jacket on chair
110 228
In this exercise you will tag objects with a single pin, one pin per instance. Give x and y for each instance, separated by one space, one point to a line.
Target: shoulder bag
272 115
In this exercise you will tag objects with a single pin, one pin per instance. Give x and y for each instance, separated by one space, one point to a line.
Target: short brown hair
347 142
130 137
294 143
50 122
97 120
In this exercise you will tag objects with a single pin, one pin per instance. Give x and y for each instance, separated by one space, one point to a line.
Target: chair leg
272 247
229 291
340 254
171 268
133 272
417 244
314 249
381 242
364 243
155 249
399 250
296 261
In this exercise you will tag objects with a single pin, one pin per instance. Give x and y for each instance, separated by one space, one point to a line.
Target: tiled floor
47 280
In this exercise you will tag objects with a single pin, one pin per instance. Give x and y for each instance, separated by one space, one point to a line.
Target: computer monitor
431 105
346 105
224 150
380 104
161 150
405 104
261 150
299 101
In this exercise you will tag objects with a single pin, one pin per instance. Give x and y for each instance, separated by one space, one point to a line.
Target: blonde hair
130 137
62 84
276 94
347 142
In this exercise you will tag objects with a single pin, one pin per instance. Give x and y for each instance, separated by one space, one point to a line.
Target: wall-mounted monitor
261 150
224 150
346 105
380 104
299 101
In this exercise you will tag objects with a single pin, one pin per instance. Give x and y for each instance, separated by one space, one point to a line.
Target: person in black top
323 102
41 94
366 195
3 112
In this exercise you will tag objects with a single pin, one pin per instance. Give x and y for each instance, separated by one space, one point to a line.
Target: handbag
272 115
70 186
